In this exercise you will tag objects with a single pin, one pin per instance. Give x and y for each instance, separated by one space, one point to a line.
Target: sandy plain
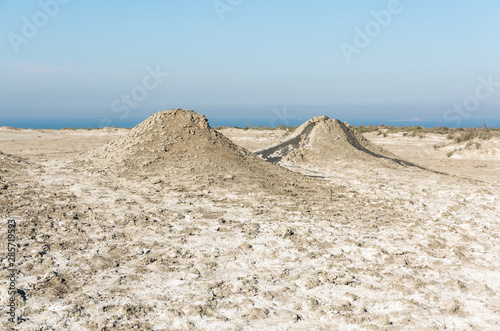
339 243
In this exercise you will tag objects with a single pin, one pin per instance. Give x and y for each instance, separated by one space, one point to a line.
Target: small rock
245 246
284 231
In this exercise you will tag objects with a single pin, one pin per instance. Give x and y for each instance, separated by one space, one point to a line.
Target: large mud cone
179 145
322 140
180 139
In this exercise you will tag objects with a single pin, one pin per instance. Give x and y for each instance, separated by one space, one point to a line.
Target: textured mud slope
12 173
23 194
321 140
10 162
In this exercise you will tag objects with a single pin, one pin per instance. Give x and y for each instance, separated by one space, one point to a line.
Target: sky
113 63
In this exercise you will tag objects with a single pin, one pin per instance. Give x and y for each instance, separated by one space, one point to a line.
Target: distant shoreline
233 120
363 128
242 122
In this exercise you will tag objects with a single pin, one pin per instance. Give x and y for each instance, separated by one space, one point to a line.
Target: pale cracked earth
367 247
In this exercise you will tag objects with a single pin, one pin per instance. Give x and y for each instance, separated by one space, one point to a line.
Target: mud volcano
322 140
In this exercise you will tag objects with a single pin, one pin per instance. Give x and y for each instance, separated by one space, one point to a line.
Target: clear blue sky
262 58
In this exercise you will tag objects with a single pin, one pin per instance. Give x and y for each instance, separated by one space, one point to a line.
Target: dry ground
388 248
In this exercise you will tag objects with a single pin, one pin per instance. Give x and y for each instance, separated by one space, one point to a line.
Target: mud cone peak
317 119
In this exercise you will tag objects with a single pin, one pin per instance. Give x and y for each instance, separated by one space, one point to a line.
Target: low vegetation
458 135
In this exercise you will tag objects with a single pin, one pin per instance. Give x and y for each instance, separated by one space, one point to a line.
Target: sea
79 123
265 122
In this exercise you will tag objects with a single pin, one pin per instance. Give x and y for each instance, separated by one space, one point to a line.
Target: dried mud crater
175 226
